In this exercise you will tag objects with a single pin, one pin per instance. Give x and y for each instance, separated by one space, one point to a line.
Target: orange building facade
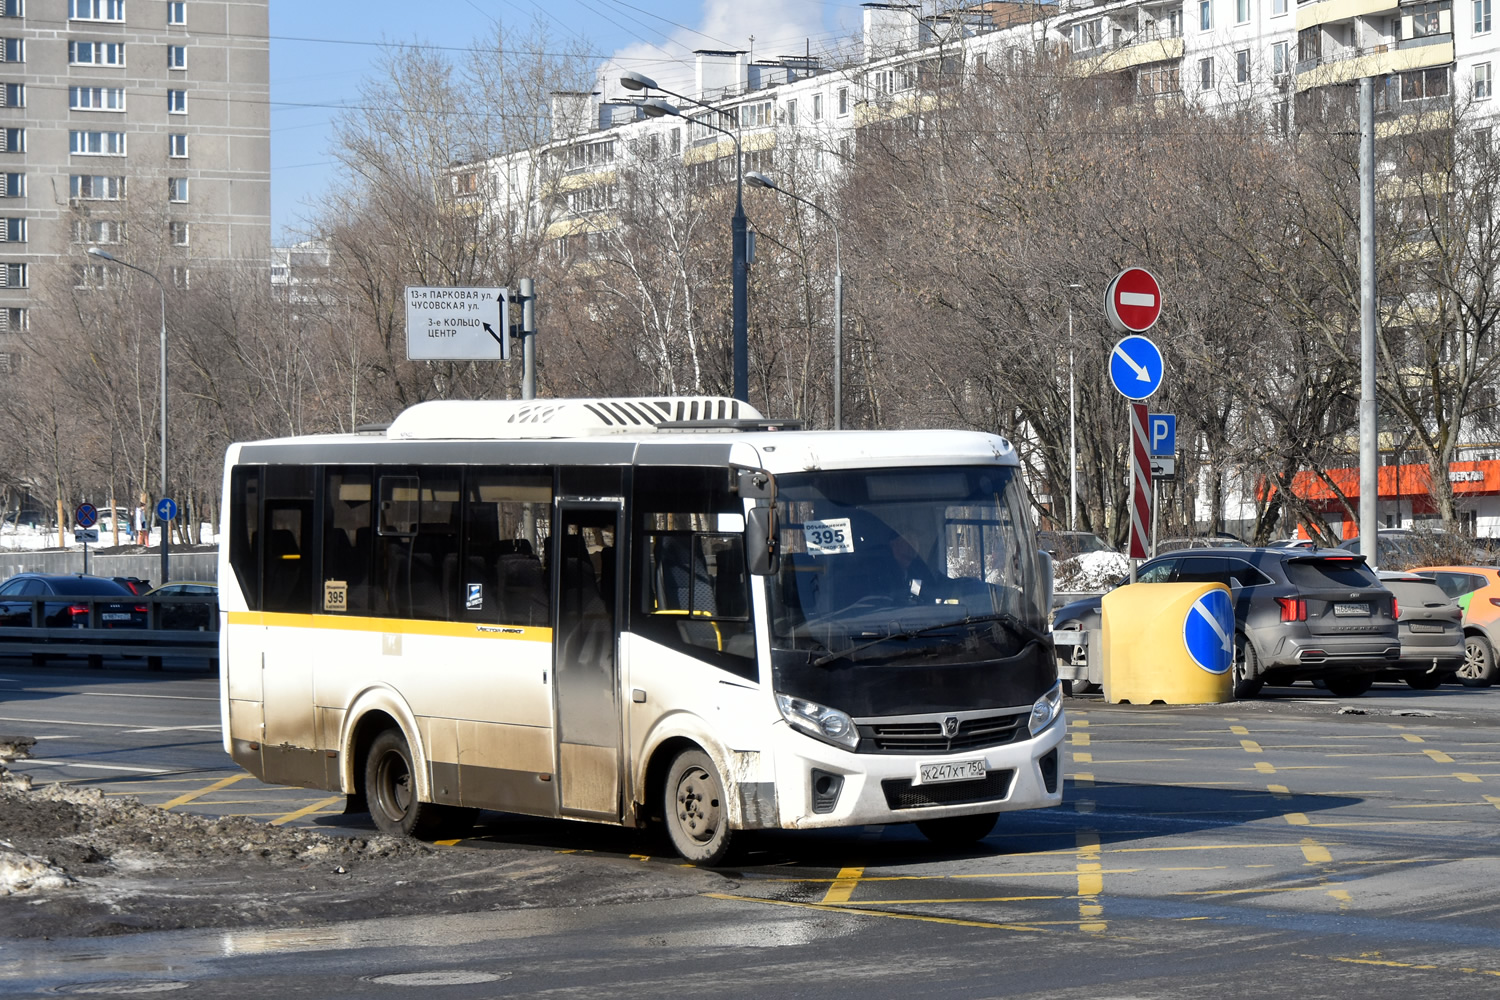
1406 495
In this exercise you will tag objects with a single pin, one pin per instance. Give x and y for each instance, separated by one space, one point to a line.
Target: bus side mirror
760 540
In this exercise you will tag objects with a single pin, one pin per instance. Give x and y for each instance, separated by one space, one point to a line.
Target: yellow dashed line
1314 852
1386 963
1265 767
1493 800
1081 740
190 796
1090 882
1408 737
318 806
1279 791
1083 758
1239 730
1083 779
1297 819
843 887
1438 756
1250 746
1464 776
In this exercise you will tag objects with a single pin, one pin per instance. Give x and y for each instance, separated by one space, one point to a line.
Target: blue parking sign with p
1161 433
1208 632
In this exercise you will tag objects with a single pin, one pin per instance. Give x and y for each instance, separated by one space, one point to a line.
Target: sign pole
1140 487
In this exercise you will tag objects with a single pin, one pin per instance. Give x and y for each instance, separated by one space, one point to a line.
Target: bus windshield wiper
1010 621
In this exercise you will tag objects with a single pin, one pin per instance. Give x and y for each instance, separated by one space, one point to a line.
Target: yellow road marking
1090 882
881 913
954 899
1083 758
1441 805
843 887
1081 740
1438 756
1297 819
1083 779
1314 852
1239 730
1250 746
1387 963
1080 723
190 796
1408 737
1279 791
318 806
1493 800
1265 767
1465 776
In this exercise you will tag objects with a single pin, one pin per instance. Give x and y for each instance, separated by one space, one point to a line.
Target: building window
176 102
1242 66
177 189
100 231
843 101
12 50
1154 81
14 321
181 277
1242 12
94 187
676 143
1481 17
756 115
177 12
1484 87
791 113
177 232
13 230
96 143
1278 7
13 275
1424 83
817 107
1279 62
177 145
96 10
13 8
95 276
1205 15
176 57
1087 35
96 98
13 95
1206 74
96 54
12 140
12 185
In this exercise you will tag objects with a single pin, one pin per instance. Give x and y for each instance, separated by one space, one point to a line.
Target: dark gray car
1431 630
1318 615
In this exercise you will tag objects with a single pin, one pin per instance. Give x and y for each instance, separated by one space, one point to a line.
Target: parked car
1431 630
1067 544
1299 615
134 584
70 609
1407 548
1220 541
1477 591
201 613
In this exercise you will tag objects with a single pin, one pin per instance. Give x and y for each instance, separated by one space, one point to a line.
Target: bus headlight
1046 709
828 724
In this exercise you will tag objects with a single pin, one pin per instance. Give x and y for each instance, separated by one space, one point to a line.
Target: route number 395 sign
826 538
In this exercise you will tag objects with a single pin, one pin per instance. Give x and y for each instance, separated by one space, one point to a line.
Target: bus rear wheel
697 817
956 831
391 794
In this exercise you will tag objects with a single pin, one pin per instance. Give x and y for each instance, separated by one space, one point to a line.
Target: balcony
1328 11
1158 42
1350 63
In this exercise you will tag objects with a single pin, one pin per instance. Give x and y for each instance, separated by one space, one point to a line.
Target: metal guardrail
175 626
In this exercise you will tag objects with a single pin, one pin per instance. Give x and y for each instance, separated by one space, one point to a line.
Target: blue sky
321 50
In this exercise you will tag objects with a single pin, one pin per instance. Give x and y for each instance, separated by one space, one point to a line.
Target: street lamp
166 532
761 180
656 107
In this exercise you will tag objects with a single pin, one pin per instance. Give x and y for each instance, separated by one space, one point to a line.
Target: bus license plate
1348 610
950 770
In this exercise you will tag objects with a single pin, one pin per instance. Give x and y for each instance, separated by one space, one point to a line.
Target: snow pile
1090 572
22 873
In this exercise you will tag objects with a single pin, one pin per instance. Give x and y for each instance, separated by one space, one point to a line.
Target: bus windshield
908 590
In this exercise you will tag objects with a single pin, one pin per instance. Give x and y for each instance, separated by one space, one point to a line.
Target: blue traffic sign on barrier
1208 632
166 508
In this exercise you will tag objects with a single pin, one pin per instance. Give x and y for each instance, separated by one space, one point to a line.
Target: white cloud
779 27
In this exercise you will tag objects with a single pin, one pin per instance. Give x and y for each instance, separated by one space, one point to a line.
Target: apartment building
141 126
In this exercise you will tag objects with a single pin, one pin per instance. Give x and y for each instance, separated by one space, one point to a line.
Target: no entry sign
1132 303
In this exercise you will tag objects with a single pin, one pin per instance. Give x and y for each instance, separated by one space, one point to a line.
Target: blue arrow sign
1208 632
166 508
1135 367
1161 435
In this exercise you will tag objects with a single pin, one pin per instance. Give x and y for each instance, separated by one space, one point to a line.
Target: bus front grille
927 736
900 793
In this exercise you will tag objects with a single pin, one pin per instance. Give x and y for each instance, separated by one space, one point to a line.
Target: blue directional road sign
166 508
1135 367
86 515
1161 435
1208 632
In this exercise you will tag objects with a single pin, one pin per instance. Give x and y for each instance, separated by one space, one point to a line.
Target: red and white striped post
1140 487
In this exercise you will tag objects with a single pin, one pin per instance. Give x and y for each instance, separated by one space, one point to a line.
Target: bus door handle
638 696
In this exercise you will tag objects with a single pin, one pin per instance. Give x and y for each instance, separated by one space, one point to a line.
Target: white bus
640 610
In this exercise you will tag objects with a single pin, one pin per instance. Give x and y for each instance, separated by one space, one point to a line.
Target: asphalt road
1266 848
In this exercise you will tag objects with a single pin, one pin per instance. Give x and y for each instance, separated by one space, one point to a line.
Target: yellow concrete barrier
1171 643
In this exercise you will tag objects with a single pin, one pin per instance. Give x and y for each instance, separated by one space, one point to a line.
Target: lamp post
166 532
656 107
761 180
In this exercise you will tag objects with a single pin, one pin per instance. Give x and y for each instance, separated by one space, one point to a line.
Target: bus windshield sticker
475 599
826 538
335 595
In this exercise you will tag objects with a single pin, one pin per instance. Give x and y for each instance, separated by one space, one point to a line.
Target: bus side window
347 527
244 531
286 548
504 520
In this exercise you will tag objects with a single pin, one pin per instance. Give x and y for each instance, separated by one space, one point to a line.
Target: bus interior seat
681 589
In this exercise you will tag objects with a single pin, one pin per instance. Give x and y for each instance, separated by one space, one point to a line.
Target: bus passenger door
586 674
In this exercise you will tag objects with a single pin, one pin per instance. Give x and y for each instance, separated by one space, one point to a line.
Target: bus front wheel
696 814
391 794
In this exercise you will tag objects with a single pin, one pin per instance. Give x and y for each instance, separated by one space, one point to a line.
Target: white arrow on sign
1213 623
1140 373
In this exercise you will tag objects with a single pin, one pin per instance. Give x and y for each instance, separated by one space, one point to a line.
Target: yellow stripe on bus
404 626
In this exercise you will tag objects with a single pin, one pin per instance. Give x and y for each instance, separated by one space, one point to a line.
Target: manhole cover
439 977
124 987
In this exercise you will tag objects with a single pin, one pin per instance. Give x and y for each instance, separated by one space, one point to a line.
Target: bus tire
391 794
695 810
957 831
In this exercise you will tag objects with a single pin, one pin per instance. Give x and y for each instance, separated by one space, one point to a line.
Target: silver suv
1314 615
